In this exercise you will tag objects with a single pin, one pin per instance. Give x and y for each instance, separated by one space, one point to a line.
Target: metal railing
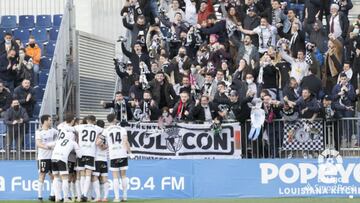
341 135
17 142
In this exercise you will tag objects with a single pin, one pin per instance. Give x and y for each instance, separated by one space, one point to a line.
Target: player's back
62 149
66 131
87 138
114 136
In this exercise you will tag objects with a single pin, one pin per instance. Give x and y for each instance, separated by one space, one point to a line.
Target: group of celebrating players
76 158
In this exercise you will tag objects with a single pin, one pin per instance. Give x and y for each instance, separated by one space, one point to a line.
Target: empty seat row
28 21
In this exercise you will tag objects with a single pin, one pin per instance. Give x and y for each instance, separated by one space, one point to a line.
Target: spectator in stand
179 66
15 119
163 92
204 110
215 26
338 22
121 106
250 21
24 68
138 30
5 99
292 91
317 35
8 69
210 87
146 109
34 52
8 44
307 105
247 51
136 90
26 96
298 6
127 76
136 56
174 10
206 9
221 97
333 61
165 118
313 83
344 97
266 32
190 12
182 109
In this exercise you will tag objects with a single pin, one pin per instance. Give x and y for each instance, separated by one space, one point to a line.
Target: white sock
82 182
101 190
78 188
73 190
57 189
65 188
124 186
60 188
106 189
116 188
90 191
96 186
86 185
52 192
40 189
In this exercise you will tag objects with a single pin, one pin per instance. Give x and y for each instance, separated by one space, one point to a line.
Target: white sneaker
116 200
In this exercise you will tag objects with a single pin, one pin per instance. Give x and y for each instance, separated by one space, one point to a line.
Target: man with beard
138 29
163 92
247 51
204 110
26 96
307 105
183 86
121 107
250 22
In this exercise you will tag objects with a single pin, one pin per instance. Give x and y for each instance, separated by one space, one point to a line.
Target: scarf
180 109
123 111
293 38
146 110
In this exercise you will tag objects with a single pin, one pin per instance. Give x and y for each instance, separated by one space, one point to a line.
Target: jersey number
64 142
85 134
62 135
117 137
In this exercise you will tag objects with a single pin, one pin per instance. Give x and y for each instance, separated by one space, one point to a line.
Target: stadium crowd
191 62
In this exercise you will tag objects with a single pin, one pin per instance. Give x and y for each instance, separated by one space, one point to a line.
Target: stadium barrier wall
179 179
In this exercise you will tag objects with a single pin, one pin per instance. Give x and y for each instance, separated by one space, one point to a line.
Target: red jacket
202 16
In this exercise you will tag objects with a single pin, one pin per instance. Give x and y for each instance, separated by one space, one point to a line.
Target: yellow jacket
34 53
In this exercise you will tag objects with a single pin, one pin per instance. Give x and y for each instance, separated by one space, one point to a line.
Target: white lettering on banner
175 184
167 183
184 141
17 183
330 170
2 184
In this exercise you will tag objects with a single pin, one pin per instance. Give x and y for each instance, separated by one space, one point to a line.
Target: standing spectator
190 12
179 66
15 118
297 40
292 91
338 22
8 69
136 57
333 60
312 82
26 96
24 68
298 6
312 10
138 30
127 76
5 99
147 108
181 110
220 97
204 110
247 51
215 26
206 9
8 44
344 97
307 105
210 87
34 52
165 118
121 108
163 93
266 32
250 22
317 35
174 9
345 6
136 91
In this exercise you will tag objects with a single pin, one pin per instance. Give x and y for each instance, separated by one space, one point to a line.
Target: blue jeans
36 69
299 8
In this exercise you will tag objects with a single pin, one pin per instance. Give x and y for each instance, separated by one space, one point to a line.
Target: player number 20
85 134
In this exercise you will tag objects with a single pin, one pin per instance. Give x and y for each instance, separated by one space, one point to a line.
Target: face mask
182 55
8 41
262 27
32 45
193 70
249 81
146 100
165 114
16 107
356 31
22 55
11 58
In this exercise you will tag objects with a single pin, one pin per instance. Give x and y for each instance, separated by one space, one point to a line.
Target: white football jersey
101 155
66 130
62 149
87 138
114 136
47 137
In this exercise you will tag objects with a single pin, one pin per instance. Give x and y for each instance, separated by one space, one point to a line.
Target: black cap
327 98
129 63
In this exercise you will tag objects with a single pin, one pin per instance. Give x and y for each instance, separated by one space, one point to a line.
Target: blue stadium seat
54 34
29 139
40 34
45 62
8 22
43 76
5 30
22 34
43 21
57 20
26 21
39 94
50 49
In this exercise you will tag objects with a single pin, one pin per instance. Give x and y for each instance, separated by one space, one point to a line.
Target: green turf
275 200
